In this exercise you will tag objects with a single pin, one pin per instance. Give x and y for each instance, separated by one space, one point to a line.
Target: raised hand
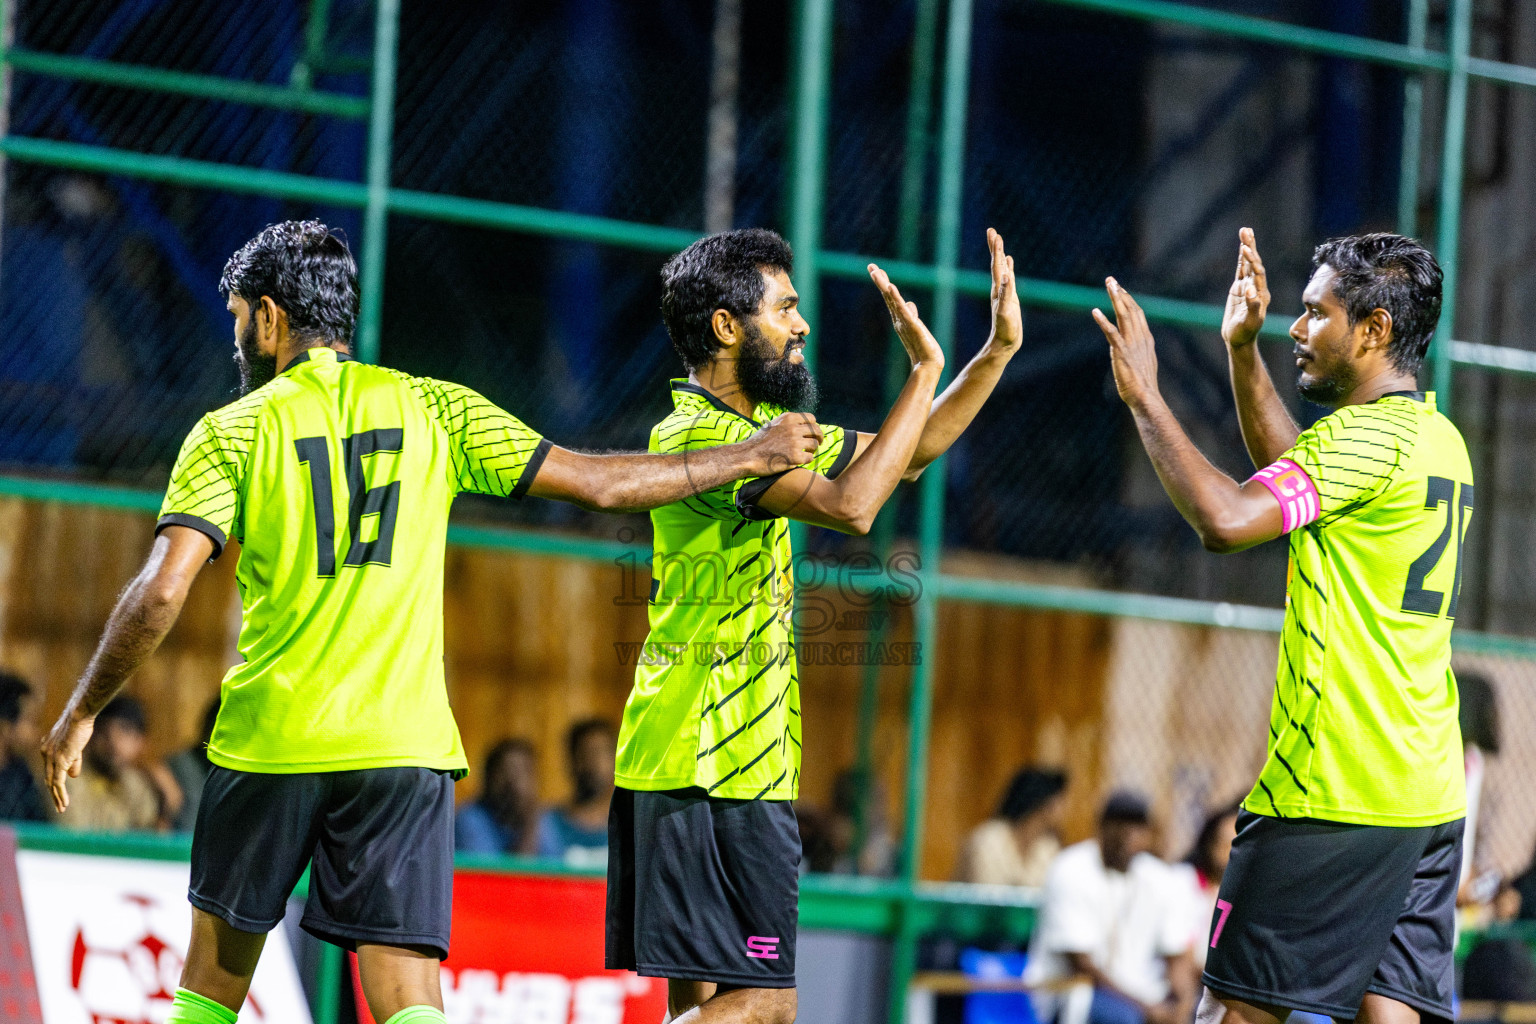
1248 298
788 440
1132 352
915 337
1007 320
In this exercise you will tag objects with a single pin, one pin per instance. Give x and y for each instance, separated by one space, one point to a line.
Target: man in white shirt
1117 918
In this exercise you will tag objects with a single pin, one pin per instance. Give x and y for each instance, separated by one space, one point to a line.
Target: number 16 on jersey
383 501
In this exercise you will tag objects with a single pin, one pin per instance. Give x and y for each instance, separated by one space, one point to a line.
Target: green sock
191 1008
418 1015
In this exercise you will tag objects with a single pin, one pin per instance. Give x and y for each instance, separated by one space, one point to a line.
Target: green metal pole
381 124
908 239
1448 234
182 83
810 72
1413 125
5 102
919 109
330 975
957 61
315 30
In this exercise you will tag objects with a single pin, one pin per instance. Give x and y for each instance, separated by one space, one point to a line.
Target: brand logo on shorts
763 947
1223 908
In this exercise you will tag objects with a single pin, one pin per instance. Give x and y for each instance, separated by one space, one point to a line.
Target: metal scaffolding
906 908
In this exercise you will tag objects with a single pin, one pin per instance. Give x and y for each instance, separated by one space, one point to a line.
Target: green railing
905 901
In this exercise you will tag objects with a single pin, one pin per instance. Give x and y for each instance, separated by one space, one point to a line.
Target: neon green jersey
336 478
716 702
1363 728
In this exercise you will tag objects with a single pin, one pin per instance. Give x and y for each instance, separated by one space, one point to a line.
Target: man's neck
104 769
510 813
1028 830
290 348
1384 383
719 380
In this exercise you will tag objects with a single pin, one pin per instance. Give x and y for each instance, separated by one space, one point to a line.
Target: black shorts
381 840
701 889
1312 915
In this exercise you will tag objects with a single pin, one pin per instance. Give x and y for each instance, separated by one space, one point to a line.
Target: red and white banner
18 985
109 935
528 949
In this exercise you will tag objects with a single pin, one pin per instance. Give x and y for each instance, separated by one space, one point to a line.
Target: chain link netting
247 40
1097 144
1187 710
113 337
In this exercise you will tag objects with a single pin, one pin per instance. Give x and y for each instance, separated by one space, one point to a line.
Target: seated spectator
1016 846
1207 863
190 768
505 817
1521 901
1500 970
577 832
1117 918
1480 885
115 793
830 841
20 797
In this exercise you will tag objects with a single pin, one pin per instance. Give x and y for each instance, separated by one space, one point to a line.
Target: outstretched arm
1268 429
954 410
850 502
145 612
1227 515
639 482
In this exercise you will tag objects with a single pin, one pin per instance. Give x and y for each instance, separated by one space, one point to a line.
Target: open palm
1248 298
915 337
1007 318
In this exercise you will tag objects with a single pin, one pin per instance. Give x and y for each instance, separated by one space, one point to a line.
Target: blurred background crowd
1122 883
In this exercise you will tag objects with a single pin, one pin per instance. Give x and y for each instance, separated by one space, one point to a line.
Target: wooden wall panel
533 643
1174 710
530 647
61 570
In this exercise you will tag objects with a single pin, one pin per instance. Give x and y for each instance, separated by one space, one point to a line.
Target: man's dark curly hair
721 271
1390 272
306 268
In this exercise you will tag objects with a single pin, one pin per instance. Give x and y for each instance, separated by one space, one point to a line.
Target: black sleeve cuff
197 523
532 469
850 445
748 494
751 491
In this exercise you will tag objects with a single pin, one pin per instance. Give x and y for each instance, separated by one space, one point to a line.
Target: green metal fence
945 26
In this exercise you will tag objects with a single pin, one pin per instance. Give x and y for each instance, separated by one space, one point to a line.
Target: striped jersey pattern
336 478
716 700
1363 722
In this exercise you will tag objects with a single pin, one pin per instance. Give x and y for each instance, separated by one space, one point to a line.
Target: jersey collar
682 384
1417 396
319 354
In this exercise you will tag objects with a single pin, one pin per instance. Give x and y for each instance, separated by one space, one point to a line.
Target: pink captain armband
1294 490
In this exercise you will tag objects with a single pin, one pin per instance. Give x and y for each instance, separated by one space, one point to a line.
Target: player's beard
1330 390
255 368
772 379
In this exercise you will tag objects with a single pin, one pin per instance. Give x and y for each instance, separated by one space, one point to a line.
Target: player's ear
1376 331
270 319
724 327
